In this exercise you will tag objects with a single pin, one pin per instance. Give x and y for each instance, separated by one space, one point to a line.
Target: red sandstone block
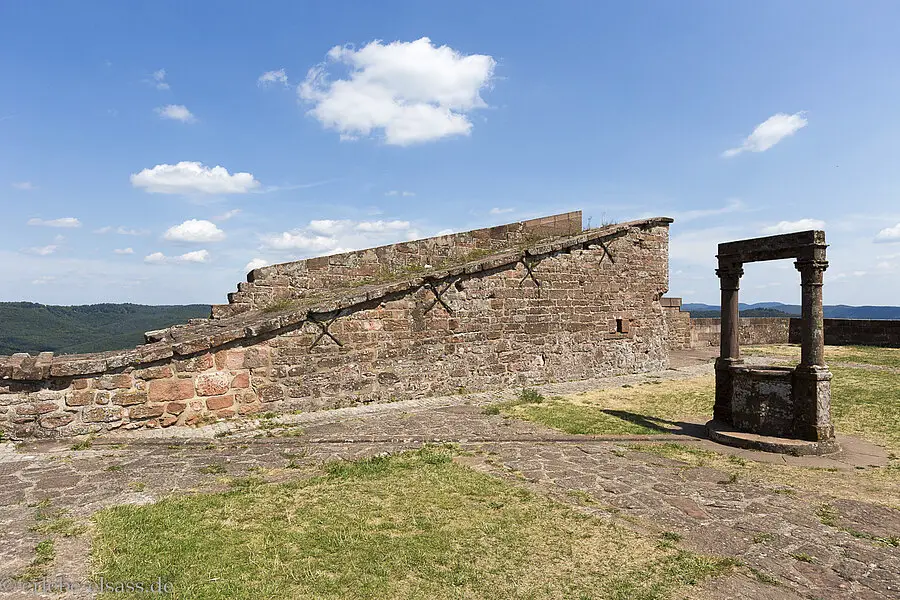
57 421
241 381
230 359
161 372
129 397
168 421
213 384
219 402
224 414
165 390
175 408
81 384
113 382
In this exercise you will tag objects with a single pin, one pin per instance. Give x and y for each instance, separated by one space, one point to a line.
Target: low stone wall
780 330
563 309
706 332
678 324
855 332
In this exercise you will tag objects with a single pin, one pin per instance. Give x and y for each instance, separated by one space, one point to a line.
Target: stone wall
301 278
855 332
704 332
564 308
678 324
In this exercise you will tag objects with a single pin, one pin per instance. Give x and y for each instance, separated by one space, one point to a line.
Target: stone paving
786 549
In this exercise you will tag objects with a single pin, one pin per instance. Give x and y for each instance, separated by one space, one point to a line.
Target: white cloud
770 132
256 263
329 226
62 222
124 251
227 215
270 77
193 177
413 91
792 226
298 240
445 232
197 256
382 226
403 193
501 211
159 79
889 234
25 186
43 250
175 112
126 231
194 230
43 280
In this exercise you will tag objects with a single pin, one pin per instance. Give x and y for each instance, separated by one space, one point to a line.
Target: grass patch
867 355
279 305
44 553
213 469
655 408
865 402
84 444
414 525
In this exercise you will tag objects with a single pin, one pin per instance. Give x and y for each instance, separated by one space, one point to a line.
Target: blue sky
335 126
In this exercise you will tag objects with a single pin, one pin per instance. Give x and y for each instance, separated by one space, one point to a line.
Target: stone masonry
565 307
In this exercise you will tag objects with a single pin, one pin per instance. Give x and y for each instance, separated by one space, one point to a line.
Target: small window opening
620 326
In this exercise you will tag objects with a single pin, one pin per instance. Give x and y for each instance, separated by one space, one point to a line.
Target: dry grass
867 355
416 525
653 407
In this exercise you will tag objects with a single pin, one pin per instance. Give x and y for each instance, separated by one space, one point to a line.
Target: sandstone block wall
855 332
706 332
303 278
563 308
678 324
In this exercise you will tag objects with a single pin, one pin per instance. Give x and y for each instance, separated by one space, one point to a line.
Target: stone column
729 345
812 379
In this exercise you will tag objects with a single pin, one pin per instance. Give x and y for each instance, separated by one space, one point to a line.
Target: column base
812 401
723 433
724 388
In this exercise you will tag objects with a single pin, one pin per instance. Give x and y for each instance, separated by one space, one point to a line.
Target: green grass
867 355
655 407
865 403
416 525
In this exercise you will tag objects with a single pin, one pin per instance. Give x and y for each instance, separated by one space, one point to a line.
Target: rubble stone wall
563 309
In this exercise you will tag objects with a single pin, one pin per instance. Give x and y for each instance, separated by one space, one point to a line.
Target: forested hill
29 327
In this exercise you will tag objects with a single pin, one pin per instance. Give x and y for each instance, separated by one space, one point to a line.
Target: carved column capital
811 271
730 276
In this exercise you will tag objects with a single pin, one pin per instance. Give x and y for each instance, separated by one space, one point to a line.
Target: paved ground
759 524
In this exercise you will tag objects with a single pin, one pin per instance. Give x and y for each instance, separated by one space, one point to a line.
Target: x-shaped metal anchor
323 326
437 297
606 252
529 272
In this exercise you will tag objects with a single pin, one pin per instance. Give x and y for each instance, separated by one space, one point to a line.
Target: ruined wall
304 277
678 324
569 308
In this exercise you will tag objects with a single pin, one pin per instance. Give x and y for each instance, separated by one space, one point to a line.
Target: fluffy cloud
335 236
25 186
189 177
124 251
256 263
770 132
413 91
500 211
175 112
194 230
889 234
382 226
270 77
197 256
63 222
405 194
792 226
159 79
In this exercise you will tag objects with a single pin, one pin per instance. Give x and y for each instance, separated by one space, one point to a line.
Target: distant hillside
768 309
29 327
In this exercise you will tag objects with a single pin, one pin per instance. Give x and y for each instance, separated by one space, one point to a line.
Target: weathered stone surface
241 381
175 408
80 398
101 414
212 384
164 390
219 402
146 411
113 382
129 397
161 372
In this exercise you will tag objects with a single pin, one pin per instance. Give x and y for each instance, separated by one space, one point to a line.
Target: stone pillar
812 379
729 345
